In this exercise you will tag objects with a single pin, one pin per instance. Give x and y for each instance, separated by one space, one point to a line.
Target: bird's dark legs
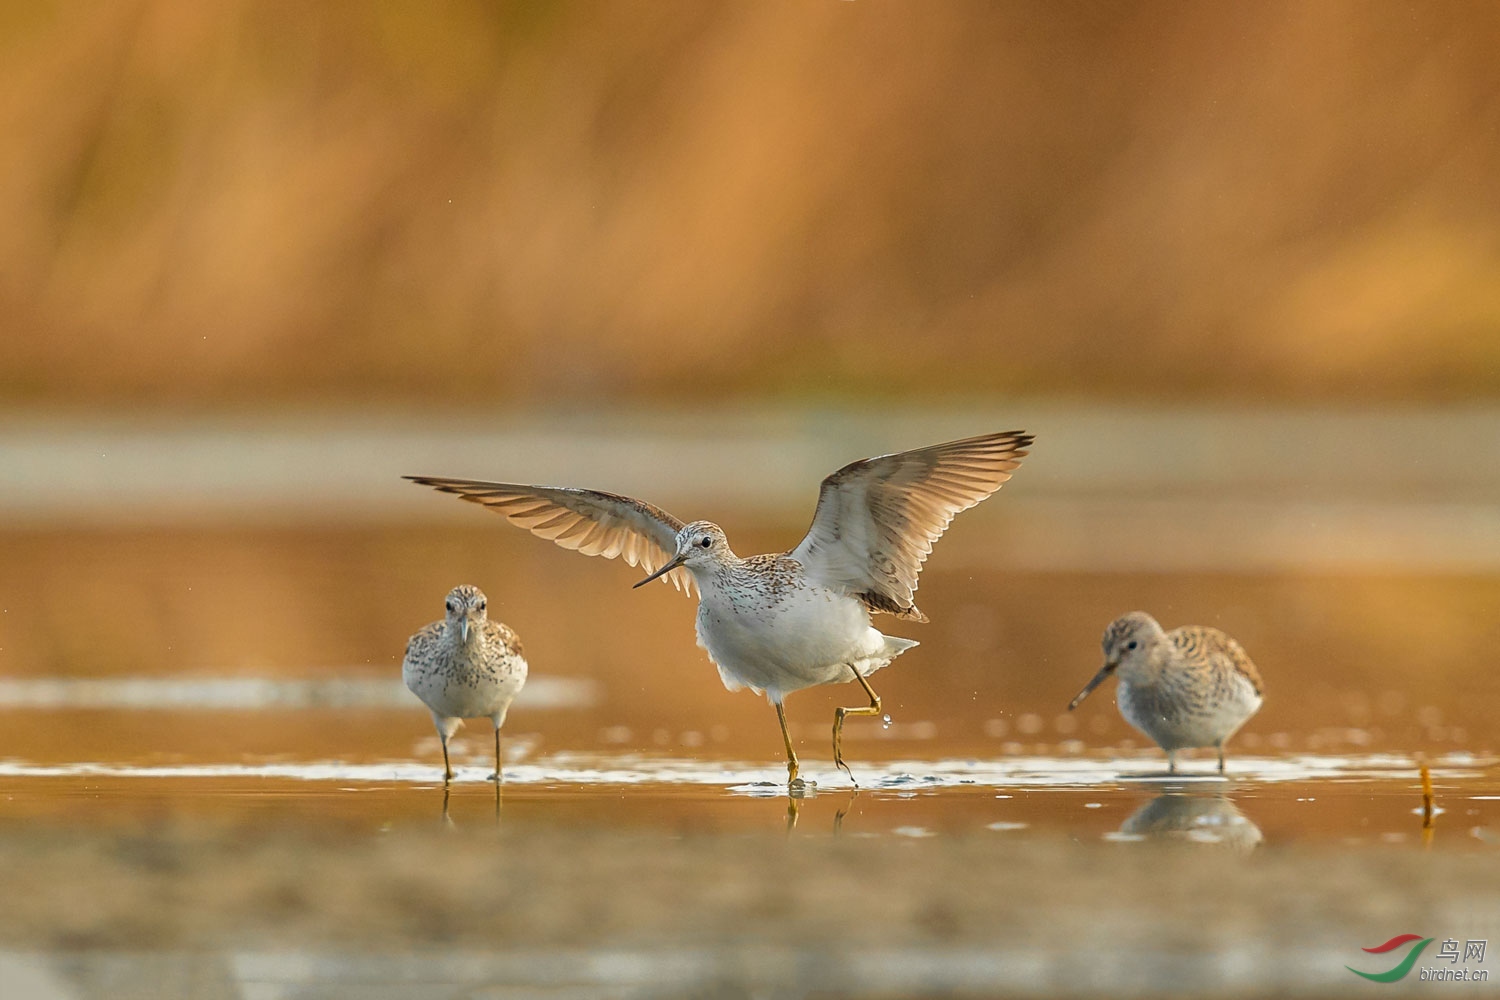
791 755
447 771
496 776
838 721
1221 757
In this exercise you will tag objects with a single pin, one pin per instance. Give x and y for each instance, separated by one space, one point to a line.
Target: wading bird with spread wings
782 622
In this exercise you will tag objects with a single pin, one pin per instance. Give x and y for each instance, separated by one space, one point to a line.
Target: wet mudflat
638 875
475 911
193 887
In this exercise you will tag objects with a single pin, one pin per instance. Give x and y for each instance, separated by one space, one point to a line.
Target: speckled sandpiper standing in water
466 666
786 621
1190 687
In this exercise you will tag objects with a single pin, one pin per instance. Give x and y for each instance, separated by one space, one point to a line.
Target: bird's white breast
781 638
461 682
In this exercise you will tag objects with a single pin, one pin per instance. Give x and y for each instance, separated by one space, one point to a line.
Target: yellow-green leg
445 730
838 722
791 755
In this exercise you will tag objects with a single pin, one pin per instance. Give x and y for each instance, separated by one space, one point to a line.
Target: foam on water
767 779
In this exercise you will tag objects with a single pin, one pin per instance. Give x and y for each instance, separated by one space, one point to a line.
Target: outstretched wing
587 521
877 519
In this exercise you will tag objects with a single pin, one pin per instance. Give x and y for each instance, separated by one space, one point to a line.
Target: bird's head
699 545
466 611
1127 643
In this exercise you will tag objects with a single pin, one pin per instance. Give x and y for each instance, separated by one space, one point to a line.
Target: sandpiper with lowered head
782 622
1190 687
467 666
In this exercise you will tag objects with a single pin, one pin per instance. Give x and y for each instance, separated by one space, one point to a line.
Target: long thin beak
672 564
463 630
1104 672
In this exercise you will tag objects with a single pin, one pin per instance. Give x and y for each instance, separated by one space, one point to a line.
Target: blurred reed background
1237 265
540 204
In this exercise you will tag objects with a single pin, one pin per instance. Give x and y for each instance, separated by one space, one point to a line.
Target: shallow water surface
634 875
212 783
1348 800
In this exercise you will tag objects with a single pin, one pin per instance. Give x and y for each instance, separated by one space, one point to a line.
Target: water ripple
755 780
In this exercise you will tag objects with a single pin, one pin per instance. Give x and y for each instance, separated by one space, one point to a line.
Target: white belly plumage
467 690
806 636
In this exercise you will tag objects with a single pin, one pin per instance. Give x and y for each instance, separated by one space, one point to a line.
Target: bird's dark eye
479 606
706 542
450 606
1131 644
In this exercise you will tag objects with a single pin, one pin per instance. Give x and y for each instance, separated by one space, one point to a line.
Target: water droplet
885 721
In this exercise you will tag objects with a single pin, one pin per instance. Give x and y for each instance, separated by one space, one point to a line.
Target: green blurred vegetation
535 204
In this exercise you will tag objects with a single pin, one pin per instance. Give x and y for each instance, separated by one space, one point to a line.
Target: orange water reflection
1353 664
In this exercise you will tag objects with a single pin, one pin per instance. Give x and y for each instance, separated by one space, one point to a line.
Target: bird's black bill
669 567
1104 672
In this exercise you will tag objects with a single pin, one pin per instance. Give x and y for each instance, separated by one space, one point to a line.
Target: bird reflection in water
794 809
1202 819
447 818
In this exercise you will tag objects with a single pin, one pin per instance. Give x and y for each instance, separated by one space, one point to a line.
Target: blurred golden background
1236 265
521 204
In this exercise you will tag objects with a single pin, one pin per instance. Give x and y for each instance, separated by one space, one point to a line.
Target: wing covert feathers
877 519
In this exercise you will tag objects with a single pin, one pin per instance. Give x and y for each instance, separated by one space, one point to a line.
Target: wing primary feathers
592 522
876 521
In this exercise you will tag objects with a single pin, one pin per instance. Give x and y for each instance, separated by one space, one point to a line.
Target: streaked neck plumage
712 565
715 570
453 635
